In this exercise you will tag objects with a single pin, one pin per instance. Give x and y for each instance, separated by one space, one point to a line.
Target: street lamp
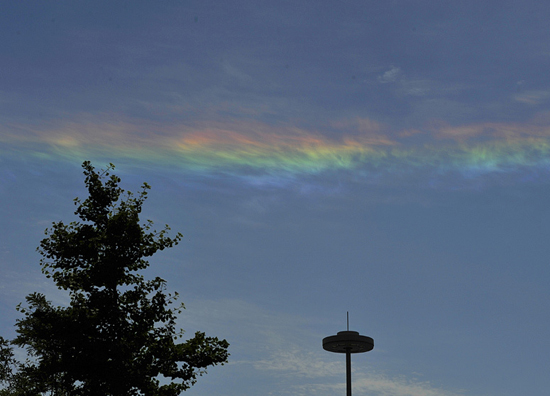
348 342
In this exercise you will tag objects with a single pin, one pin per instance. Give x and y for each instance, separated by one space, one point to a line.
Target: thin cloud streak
378 385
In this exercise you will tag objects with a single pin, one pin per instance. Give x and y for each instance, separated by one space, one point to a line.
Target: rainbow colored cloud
239 147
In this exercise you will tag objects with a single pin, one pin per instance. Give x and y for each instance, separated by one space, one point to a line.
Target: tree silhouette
118 335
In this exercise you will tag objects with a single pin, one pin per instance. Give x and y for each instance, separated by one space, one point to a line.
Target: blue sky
390 159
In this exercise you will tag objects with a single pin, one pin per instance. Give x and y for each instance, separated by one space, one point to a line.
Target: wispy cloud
390 76
285 347
378 385
533 97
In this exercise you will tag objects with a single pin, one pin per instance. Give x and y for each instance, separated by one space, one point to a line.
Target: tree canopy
117 335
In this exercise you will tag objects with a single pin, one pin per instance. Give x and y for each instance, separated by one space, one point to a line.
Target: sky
390 159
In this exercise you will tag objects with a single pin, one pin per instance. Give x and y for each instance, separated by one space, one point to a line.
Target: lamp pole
348 342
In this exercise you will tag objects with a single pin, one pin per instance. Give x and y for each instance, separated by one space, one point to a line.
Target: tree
118 335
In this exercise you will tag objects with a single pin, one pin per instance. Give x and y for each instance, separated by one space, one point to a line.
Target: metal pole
348 372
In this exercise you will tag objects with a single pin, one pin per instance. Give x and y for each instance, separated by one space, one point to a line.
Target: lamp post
348 342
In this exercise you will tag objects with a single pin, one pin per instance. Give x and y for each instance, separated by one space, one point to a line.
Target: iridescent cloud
238 147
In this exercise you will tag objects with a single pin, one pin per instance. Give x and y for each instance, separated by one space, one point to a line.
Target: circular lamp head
348 341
